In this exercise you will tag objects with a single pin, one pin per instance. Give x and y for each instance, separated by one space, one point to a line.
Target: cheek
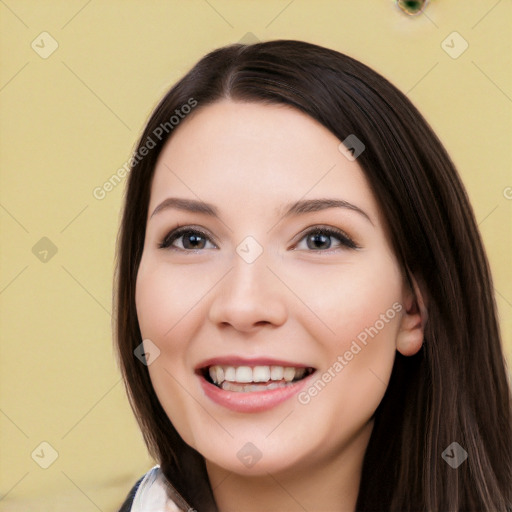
165 312
362 309
352 298
164 299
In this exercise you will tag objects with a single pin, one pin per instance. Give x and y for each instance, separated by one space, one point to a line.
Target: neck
330 485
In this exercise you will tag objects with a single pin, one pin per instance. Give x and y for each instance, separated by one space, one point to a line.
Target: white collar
151 495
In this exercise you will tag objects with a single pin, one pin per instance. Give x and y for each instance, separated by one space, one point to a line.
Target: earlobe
412 325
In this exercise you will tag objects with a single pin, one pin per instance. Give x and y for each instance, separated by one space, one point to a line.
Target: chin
254 463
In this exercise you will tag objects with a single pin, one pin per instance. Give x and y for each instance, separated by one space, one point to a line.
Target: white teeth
221 375
261 374
246 388
288 374
276 372
243 374
216 373
229 374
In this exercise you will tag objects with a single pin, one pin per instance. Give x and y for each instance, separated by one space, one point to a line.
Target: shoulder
128 502
150 494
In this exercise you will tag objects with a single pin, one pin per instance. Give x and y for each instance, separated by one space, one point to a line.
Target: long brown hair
455 389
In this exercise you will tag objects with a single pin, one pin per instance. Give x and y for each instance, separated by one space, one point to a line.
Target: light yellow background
69 121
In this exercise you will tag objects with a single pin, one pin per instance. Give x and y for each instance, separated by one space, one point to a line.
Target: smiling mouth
248 379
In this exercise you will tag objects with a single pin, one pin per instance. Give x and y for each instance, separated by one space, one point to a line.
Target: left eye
193 239
320 236
193 235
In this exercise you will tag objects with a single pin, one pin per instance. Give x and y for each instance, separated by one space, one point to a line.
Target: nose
248 297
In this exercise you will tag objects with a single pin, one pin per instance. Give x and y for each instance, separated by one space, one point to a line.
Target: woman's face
257 299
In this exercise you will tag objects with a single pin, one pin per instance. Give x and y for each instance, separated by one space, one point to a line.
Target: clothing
149 494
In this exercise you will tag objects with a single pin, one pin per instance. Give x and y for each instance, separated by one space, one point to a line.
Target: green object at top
411 6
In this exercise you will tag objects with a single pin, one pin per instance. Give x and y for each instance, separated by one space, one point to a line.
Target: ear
414 318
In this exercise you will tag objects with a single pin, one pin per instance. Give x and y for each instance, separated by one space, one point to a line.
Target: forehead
242 155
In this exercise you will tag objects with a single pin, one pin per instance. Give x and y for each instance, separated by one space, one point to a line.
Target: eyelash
345 240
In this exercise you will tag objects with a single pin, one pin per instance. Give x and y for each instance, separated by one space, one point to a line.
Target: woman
305 316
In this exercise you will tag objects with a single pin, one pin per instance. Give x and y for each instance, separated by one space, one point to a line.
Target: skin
298 301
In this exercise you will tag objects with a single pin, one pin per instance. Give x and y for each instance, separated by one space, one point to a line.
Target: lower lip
252 401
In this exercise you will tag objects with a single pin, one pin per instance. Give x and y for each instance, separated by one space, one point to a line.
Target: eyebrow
297 208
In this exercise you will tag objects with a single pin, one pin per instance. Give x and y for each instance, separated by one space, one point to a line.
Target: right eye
193 239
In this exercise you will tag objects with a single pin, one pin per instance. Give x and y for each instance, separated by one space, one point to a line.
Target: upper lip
242 361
